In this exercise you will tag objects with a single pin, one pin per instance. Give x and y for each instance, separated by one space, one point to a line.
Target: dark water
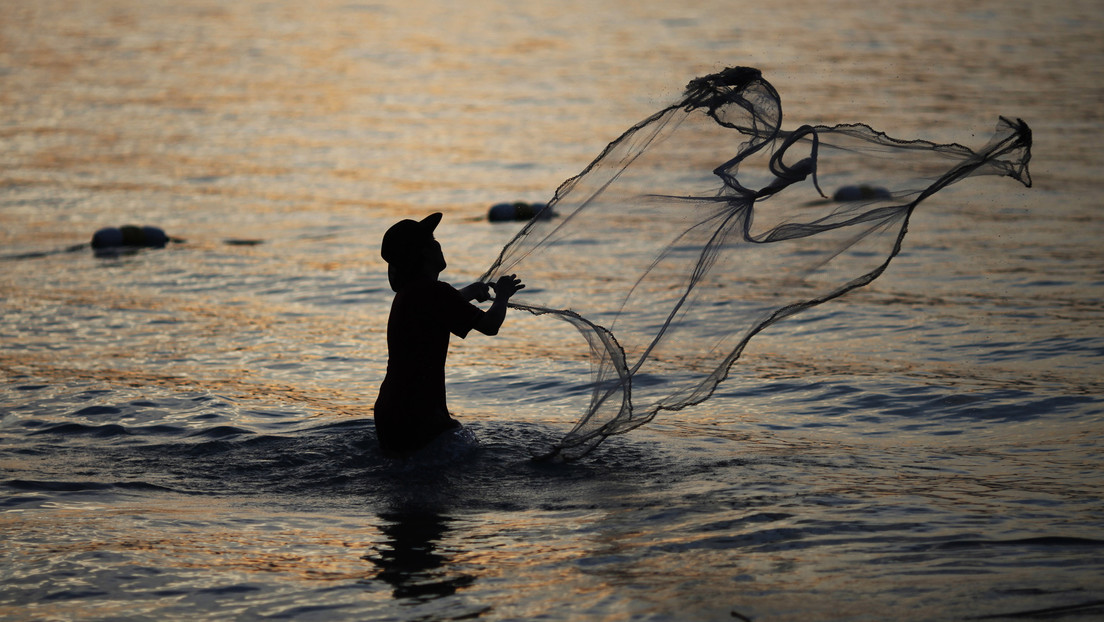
186 433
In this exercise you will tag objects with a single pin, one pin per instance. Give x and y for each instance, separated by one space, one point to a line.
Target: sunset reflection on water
187 432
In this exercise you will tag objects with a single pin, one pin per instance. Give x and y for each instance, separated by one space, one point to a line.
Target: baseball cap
406 237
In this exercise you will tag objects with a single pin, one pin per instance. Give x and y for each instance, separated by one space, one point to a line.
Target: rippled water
187 432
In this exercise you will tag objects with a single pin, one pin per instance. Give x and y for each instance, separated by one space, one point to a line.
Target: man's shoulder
427 288
432 293
445 286
443 290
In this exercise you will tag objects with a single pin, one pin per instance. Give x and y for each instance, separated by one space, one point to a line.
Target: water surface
187 432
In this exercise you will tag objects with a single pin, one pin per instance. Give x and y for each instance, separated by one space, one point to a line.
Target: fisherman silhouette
410 410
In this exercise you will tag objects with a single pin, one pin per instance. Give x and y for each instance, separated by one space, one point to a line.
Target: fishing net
706 223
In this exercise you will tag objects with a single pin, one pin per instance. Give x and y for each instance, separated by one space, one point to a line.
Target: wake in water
721 217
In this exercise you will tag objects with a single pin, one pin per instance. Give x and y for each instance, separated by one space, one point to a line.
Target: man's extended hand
507 285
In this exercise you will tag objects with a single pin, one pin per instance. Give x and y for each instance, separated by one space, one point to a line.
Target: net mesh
706 223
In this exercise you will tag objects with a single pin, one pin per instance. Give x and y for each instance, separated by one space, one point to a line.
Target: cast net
705 223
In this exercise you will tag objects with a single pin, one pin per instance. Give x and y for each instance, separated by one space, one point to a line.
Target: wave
24 485
1038 541
80 429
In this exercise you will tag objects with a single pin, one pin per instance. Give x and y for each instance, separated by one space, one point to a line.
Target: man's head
410 250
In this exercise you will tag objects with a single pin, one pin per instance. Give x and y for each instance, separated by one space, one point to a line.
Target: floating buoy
518 210
129 236
861 192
